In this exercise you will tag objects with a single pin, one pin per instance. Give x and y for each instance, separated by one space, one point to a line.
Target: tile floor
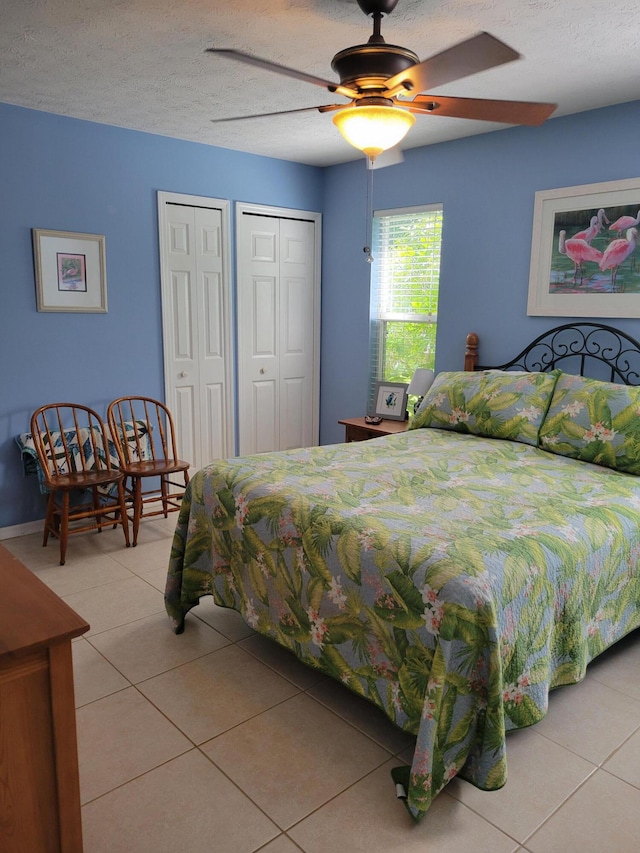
218 740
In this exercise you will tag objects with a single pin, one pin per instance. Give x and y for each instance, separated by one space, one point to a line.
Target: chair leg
64 527
165 496
96 506
137 507
123 513
48 521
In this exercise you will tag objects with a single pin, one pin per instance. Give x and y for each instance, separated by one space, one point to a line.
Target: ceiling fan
377 78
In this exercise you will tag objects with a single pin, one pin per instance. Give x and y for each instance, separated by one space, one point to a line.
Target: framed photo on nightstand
390 400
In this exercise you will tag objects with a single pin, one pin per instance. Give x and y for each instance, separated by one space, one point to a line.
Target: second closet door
278 328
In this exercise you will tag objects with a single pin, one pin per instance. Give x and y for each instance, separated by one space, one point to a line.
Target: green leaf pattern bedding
453 580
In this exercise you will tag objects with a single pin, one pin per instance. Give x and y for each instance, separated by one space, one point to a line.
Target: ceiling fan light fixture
373 129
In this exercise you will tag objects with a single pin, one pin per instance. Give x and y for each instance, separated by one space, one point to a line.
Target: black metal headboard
587 349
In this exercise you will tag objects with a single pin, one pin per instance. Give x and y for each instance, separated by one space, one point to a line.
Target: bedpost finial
471 352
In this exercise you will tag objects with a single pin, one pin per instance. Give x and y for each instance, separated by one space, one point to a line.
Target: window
404 291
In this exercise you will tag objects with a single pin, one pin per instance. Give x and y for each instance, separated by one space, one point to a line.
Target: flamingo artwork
595 227
617 253
579 251
624 223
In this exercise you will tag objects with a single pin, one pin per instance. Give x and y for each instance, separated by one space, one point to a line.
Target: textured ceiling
141 64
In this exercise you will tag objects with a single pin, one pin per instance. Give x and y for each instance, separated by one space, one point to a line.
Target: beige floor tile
109 541
282 844
363 715
213 693
81 546
19 544
147 647
157 578
164 527
618 667
367 818
185 805
590 719
157 527
146 556
603 816
121 737
93 676
311 757
82 573
223 619
625 763
283 661
532 793
116 603
30 551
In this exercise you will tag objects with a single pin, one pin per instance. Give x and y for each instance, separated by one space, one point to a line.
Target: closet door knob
182 375
262 370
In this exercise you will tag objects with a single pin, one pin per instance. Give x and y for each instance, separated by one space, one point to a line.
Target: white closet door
196 321
214 348
258 332
278 331
297 334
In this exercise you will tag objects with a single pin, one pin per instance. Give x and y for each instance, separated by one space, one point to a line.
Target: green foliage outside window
407 346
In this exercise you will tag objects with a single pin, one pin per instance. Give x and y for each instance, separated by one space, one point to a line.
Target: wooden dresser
39 786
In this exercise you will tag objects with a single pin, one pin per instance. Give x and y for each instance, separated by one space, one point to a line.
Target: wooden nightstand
357 430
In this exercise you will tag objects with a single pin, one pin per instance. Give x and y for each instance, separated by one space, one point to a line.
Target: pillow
594 421
492 403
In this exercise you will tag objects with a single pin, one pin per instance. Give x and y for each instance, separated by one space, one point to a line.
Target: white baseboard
21 529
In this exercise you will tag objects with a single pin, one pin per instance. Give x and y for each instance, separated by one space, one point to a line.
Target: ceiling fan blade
478 53
507 112
322 109
265 64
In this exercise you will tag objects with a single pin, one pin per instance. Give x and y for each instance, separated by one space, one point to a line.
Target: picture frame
567 277
390 400
70 271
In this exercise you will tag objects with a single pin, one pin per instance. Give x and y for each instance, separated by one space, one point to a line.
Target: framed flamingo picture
70 271
584 251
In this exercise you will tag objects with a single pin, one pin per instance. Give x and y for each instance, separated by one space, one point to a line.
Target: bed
453 574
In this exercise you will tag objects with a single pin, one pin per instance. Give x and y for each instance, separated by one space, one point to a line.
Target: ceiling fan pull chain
368 228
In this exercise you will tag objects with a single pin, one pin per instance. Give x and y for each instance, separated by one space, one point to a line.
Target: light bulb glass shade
373 129
421 381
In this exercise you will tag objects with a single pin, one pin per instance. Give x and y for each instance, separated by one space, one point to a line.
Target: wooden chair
144 434
83 483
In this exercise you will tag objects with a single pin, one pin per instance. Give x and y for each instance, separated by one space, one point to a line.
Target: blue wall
487 186
70 175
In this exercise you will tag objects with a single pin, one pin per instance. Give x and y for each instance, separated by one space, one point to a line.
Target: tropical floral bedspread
452 580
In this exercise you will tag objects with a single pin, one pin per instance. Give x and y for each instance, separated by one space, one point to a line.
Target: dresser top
31 614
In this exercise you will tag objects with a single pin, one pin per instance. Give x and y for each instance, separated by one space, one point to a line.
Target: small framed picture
390 400
70 271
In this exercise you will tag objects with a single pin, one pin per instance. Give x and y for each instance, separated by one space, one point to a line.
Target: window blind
405 279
